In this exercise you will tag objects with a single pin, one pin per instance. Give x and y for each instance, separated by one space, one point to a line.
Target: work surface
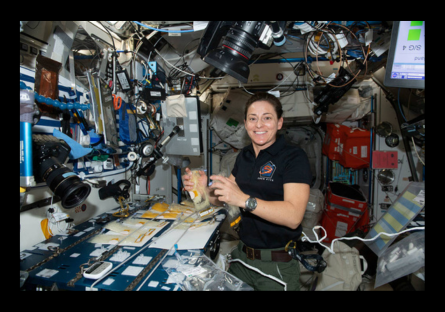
58 262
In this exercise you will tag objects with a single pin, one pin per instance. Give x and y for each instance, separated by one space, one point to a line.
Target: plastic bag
195 271
228 119
47 84
402 258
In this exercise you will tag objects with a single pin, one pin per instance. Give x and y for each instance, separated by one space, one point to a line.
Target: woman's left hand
227 191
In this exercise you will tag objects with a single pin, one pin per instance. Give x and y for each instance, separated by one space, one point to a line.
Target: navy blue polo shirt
263 177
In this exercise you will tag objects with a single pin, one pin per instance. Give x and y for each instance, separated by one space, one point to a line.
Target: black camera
228 45
49 157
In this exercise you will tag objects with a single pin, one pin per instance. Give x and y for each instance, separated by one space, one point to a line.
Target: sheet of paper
132 270
193 239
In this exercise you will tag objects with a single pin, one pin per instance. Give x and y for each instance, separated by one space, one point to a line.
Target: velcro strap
353 211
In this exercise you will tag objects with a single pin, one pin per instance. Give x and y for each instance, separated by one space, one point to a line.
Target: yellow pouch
189 219
161 207
149 215
179 208
169 215
119 227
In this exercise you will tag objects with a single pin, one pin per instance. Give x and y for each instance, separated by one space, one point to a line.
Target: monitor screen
405 67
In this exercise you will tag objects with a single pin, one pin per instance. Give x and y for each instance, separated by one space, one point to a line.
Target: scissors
117 101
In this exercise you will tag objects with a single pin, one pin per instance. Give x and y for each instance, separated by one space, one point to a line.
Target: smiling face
262 124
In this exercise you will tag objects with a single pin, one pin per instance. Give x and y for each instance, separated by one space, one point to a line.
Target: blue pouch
127 123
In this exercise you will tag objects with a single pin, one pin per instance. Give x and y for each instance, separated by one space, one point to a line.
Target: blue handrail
41 99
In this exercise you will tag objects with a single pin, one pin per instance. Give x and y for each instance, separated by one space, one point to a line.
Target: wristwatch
251 204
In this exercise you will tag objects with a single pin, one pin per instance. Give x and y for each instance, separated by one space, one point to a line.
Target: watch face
251 203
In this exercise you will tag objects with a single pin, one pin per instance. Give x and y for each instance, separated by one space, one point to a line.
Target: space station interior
113 112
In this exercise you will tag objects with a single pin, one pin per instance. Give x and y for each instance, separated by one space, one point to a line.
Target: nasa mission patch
267 171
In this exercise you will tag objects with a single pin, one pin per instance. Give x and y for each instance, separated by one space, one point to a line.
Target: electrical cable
284 94
114 47
86 177
180 56
340 53
260 272
365 57
159 54
191 74
155 30
52 222
400 106
415 149
287 77
317 49
331 250
194 51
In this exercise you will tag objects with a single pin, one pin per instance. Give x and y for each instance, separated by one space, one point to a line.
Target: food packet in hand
198 193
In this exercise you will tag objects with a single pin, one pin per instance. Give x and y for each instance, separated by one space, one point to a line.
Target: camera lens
236 49
48 155
241 43
65 184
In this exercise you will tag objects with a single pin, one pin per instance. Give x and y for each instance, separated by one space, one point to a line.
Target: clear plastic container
195 271
407 206
402 258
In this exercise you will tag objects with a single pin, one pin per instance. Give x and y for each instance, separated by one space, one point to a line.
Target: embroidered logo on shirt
267 171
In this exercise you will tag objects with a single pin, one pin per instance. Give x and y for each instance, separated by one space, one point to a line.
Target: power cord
260 272
54 223
331 250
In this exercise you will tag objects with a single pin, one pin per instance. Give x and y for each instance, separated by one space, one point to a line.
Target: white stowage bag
343 271
344 107
228 119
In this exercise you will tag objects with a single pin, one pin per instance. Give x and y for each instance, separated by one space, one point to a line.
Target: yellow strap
236 221
46 231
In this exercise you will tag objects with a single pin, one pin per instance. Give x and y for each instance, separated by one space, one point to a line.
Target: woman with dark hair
270 182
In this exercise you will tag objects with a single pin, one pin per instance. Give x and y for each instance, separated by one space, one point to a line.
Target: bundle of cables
329 40
55 223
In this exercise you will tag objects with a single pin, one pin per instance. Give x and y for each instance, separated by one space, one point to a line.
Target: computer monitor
405 67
